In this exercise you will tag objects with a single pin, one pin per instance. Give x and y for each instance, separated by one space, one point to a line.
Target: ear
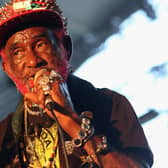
67 42
4 67
3 59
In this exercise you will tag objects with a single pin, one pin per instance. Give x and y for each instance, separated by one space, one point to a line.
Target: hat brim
41 17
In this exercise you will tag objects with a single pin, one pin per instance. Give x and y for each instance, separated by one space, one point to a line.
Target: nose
31 58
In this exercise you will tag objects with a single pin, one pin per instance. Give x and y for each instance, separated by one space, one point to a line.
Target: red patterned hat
19 14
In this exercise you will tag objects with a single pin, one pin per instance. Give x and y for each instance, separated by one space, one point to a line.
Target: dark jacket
113 117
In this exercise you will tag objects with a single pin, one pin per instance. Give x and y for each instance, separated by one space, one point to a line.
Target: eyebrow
14 45
40 35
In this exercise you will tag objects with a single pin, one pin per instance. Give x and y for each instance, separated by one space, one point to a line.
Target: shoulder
115 104
79 87
75 82
4 124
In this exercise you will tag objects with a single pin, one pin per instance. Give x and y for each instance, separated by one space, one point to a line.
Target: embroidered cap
19 14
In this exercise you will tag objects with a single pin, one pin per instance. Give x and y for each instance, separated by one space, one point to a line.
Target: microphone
49 104
52 105
44 78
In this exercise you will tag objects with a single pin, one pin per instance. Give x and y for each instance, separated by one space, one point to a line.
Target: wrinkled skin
32 49
28 51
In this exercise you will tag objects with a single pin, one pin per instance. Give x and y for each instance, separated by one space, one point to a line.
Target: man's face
30 50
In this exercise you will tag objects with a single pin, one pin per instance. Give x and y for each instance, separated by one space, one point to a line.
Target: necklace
42 150
33 109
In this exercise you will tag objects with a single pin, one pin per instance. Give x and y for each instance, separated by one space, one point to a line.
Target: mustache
41 64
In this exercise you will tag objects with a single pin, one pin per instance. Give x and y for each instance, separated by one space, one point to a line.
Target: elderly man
62 121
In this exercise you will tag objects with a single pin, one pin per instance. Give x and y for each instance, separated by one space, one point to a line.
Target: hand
47 83
57 91
50 84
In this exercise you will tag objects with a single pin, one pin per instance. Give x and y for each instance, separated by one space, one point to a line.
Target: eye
18 55
17 52
41 45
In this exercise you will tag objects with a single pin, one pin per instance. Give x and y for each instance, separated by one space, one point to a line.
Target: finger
57 94
31 97
36 98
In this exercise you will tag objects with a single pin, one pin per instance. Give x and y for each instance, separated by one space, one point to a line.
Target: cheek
11 67
15 76
61 66
18 82
17 70
65 69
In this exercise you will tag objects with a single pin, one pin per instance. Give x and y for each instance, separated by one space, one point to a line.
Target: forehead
28 34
